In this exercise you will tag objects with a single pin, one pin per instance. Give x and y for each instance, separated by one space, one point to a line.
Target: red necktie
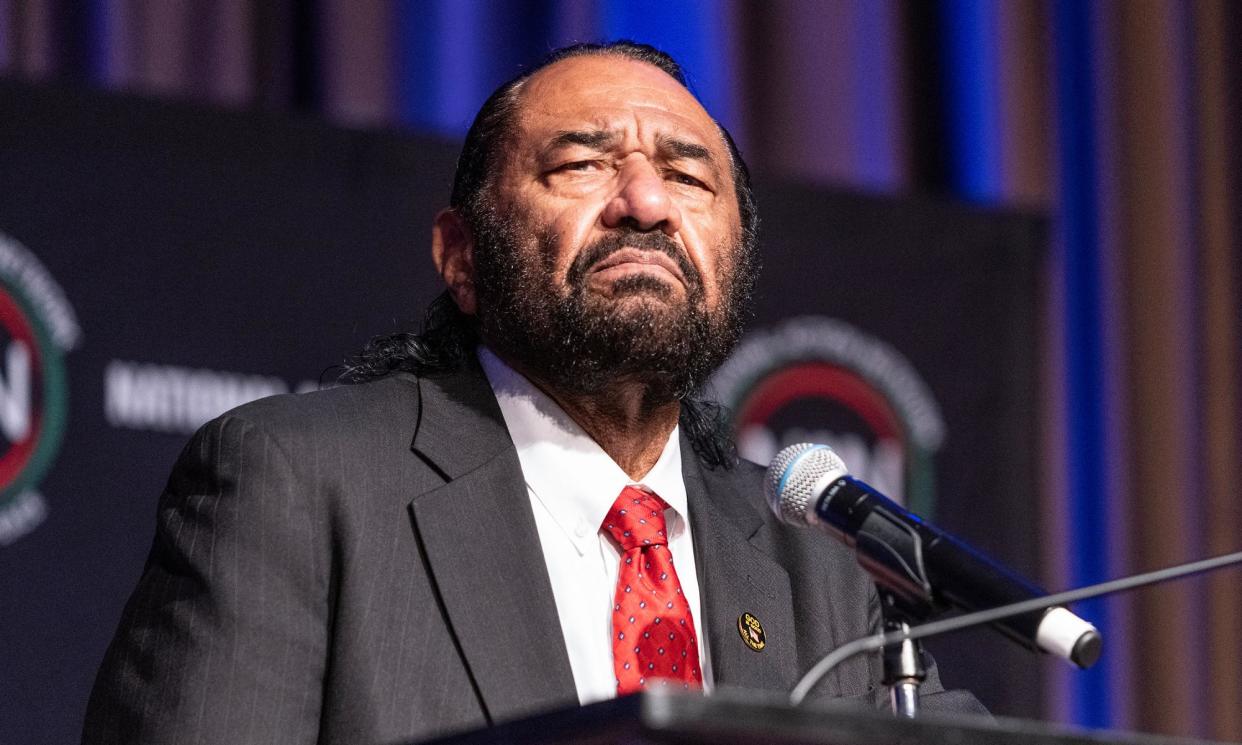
653 635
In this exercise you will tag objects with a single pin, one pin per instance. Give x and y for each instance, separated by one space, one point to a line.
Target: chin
640 313
645 295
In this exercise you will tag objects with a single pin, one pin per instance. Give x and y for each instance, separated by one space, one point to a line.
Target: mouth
633 260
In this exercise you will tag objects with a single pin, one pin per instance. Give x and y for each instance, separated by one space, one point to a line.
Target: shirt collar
566 470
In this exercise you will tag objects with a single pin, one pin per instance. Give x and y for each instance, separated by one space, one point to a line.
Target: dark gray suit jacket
361 565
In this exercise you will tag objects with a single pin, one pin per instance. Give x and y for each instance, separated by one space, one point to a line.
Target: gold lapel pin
751 631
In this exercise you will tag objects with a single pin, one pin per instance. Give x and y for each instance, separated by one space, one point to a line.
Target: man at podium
522 507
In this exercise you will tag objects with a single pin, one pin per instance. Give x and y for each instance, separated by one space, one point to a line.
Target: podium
742 718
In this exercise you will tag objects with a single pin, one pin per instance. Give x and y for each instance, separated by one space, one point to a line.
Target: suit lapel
483 550
737 577
482 547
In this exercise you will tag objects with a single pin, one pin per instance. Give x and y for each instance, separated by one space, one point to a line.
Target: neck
630 431
625 421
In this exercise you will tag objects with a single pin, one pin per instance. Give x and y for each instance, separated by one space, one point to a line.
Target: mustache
653 240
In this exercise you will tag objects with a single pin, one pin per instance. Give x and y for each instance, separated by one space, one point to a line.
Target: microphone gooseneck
957 623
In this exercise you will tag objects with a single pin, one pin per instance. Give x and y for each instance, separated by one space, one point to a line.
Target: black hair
448 337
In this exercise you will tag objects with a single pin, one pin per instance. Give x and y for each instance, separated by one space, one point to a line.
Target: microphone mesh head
791 480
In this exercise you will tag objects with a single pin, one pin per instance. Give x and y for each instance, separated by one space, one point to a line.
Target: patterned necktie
653 635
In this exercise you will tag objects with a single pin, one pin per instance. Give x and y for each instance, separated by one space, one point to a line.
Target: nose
643 199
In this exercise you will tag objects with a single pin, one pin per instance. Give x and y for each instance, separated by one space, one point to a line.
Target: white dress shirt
572 483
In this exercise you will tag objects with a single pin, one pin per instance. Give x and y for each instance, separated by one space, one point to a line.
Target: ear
452 250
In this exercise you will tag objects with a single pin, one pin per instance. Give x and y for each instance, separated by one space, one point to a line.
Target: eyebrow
596 139
601 139
682 150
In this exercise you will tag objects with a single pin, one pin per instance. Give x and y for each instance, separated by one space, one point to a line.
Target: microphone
926 569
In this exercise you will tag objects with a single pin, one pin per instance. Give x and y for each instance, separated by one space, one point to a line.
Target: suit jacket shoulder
288 596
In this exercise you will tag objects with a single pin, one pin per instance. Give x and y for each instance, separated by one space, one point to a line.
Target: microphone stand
902 632
905 668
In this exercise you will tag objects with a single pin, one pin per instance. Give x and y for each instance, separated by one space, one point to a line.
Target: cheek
723 266
729 257
540 232
716 230
716 259
566 235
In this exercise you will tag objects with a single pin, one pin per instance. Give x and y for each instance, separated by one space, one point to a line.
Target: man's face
611 245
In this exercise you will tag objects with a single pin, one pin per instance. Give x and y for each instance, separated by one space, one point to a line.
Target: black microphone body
924 569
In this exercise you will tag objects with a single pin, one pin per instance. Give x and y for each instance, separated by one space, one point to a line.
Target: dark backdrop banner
160 264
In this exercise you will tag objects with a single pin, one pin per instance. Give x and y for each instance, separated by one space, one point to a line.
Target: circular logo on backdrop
821 380
37 327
